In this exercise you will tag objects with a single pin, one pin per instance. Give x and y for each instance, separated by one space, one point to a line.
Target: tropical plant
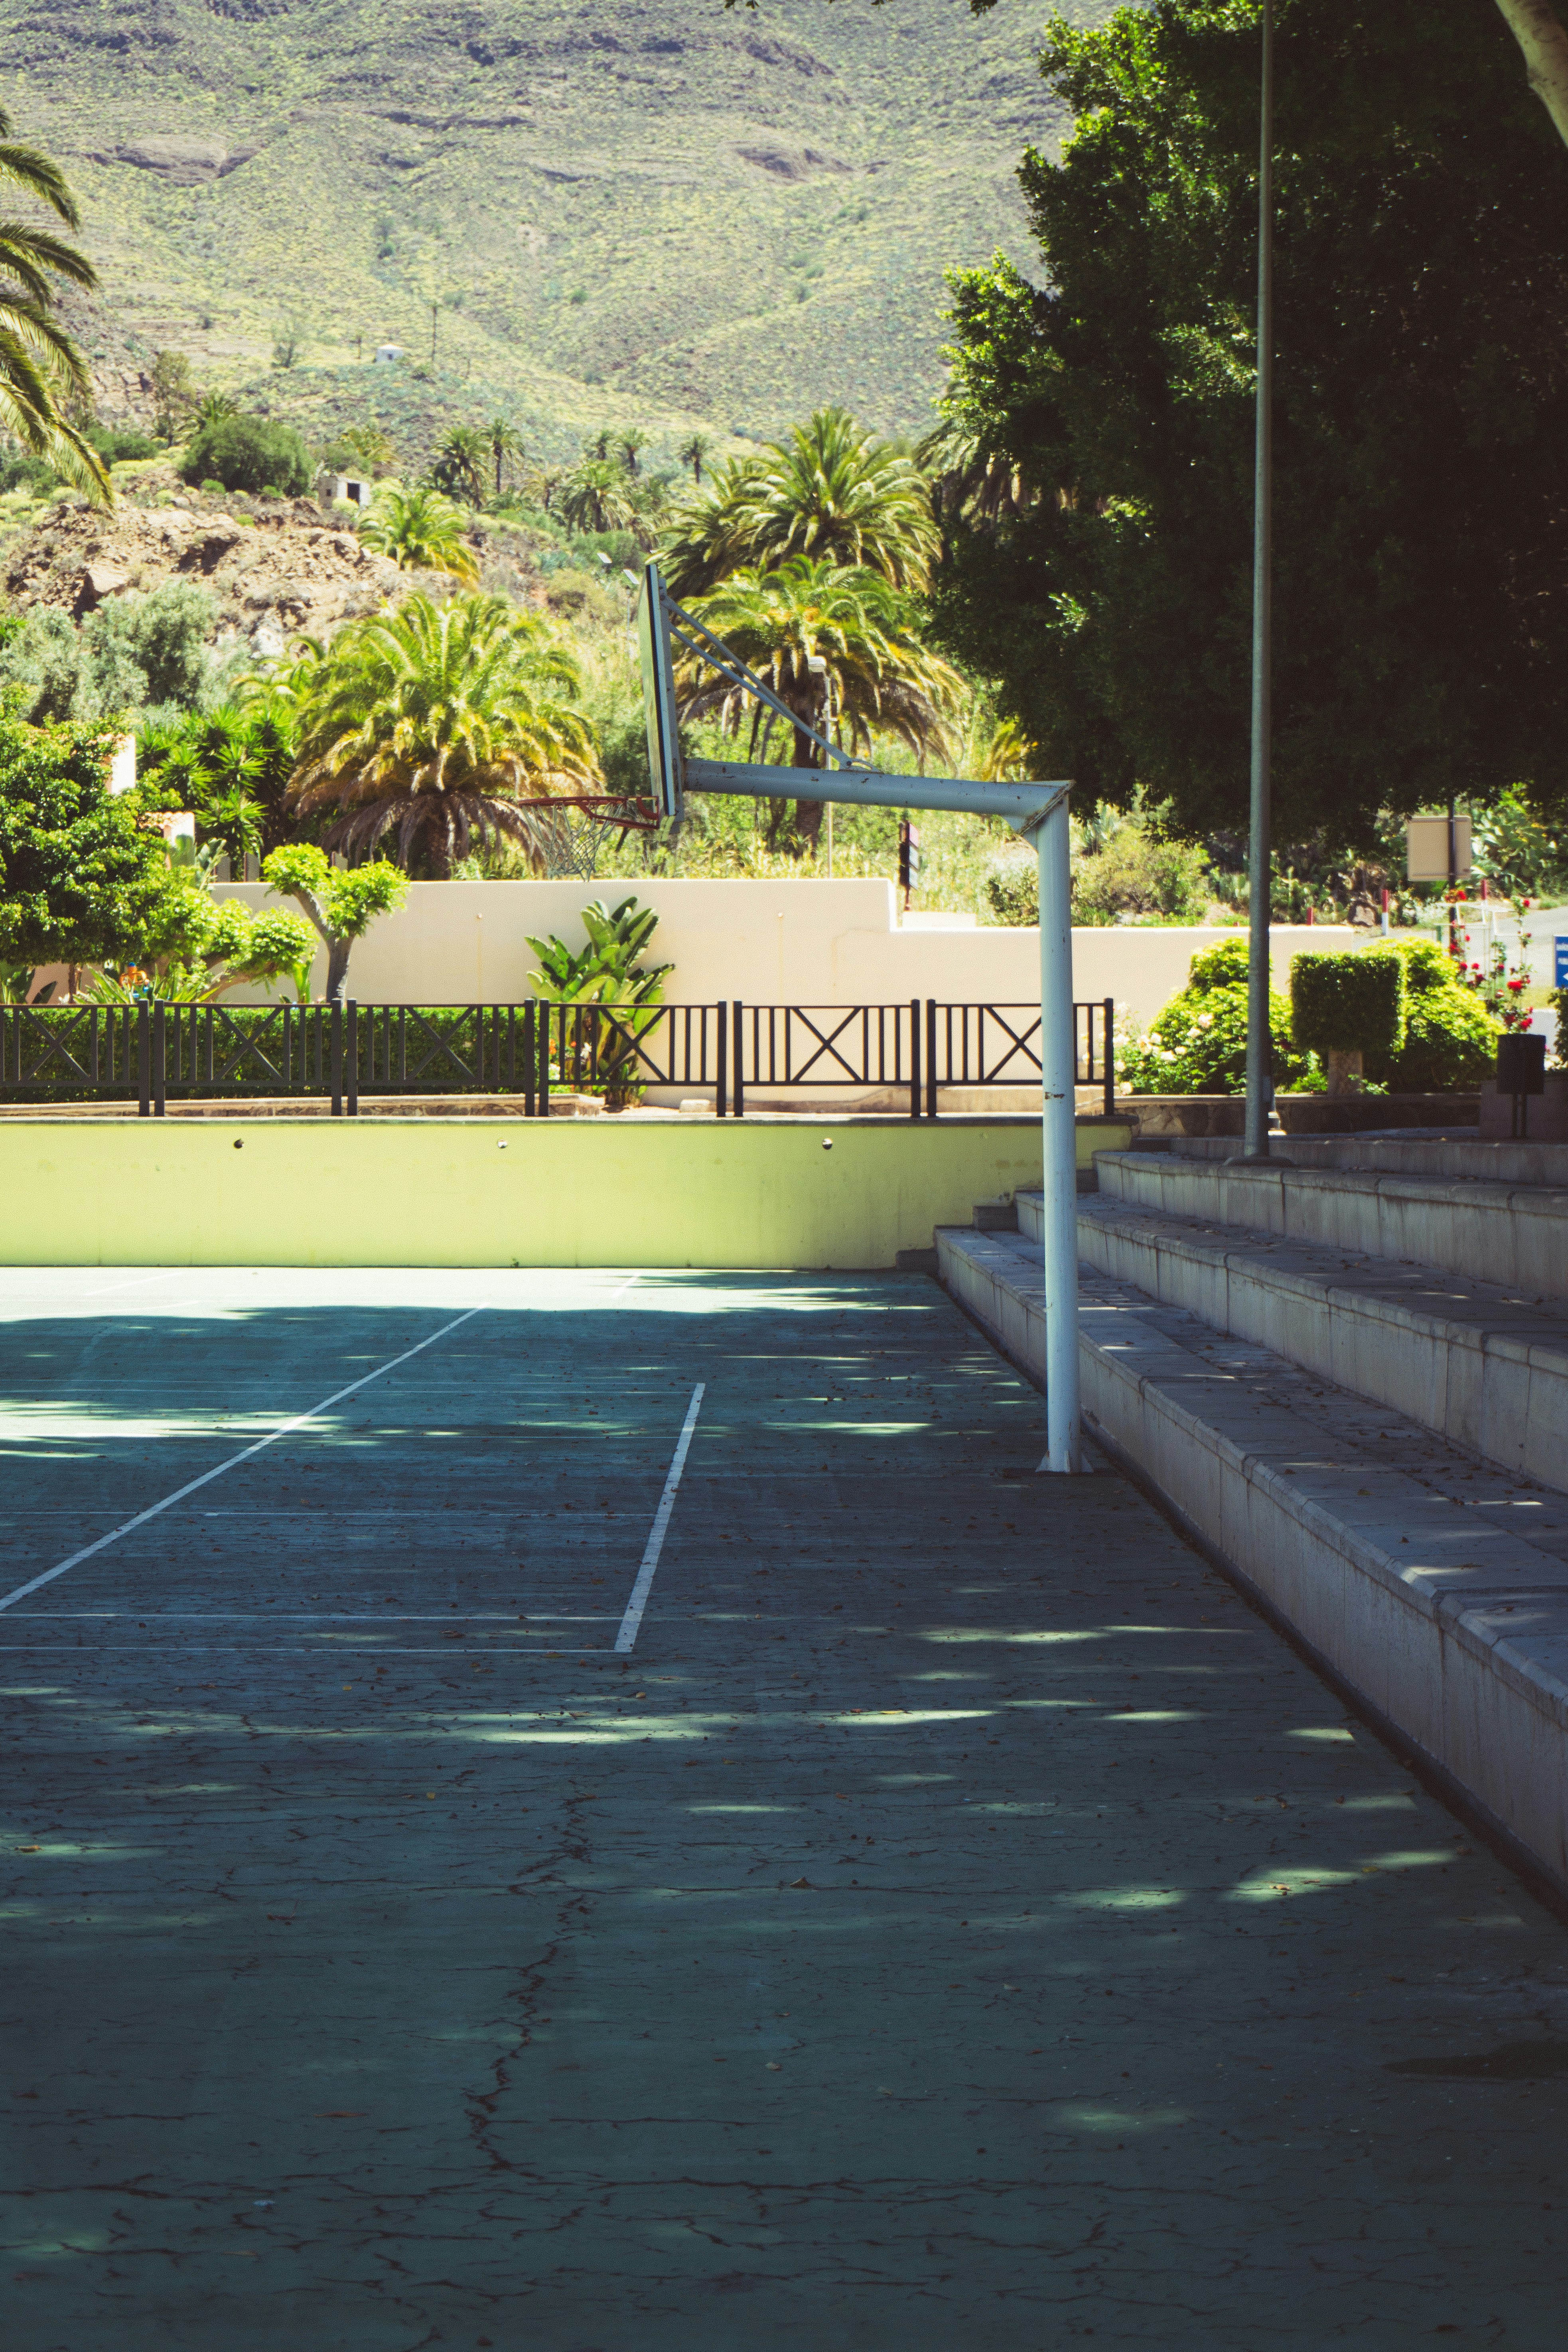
605 973
695 453
430 724
420 529
836 645
229 766
288 342
457 469
341 905
215 406
828 490
247 453
42 373
504 442
596 496
630 446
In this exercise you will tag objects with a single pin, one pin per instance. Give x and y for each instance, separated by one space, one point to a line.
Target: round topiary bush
246 452
213 485
1197 1043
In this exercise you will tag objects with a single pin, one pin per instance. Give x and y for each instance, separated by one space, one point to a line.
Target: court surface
957 1921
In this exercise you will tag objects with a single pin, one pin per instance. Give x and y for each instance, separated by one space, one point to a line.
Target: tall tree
1421 478
836 645
42 373
505 442
425 726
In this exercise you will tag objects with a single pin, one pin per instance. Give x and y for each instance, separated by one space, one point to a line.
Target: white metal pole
1059 1064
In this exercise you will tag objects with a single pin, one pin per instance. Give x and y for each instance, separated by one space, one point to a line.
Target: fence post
337 1060
914 1057
160 1063
353 1059
931 1056
544 1058
721 1091
740 1088
1110 1058
144 1058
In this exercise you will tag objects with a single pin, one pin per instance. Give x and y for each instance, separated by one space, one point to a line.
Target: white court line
140 1283
234 1461
624 1287
626 1638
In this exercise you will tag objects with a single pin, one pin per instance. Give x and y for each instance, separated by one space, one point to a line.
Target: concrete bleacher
1347 1380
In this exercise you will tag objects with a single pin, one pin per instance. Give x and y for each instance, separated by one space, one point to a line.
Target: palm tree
828 489
40 367
595 497
504 443
429 724
420 529
631 445
457 469
215 407
695 454
836 643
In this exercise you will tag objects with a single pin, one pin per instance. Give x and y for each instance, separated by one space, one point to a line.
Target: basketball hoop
574 832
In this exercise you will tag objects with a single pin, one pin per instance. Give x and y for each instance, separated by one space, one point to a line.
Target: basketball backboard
658 695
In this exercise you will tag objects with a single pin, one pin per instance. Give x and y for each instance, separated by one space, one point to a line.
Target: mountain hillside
643 211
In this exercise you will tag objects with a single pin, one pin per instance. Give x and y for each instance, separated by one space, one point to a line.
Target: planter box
1164 1115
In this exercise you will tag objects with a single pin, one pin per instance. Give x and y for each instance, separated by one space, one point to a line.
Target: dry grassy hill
648 211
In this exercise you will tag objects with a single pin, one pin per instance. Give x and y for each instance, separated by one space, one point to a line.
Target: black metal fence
151 1053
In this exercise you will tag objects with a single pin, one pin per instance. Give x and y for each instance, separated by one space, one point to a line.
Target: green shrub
1197 1043
1137 873
246 452
1451 1038
213 485
1012 888
121 448
18 471
1348 1004
131 652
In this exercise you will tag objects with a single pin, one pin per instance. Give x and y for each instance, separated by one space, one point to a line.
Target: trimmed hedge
1348 1004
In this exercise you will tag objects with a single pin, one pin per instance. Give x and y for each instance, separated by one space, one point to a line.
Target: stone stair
1350 1385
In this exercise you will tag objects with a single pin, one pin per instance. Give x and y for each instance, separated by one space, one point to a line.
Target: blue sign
1560 962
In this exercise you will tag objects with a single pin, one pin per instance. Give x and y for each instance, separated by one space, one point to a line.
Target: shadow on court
959 1918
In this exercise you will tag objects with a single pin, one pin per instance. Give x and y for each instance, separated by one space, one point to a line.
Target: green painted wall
437 1192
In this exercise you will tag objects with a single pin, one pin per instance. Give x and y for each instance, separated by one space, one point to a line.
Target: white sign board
1426 848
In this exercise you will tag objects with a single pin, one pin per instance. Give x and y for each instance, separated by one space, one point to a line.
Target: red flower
1516 983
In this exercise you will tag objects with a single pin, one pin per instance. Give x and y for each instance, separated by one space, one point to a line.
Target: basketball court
610 1812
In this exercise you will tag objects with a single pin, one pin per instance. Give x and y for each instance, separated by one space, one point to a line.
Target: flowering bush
1197 1044
1451 1036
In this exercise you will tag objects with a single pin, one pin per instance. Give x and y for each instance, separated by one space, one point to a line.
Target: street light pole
1260 1055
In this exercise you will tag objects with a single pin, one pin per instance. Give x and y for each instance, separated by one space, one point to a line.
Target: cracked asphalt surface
959 1918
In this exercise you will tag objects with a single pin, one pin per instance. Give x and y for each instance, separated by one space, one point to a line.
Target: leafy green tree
42 373
174 393
695 453
231 767
429 724
596 496
371 445
504 443
458 466
341 905
420 529
247 453
1421 464
80 881
129 653
828 489
837 643
630 446
1451 1038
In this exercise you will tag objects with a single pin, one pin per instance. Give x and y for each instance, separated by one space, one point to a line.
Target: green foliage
421 530
607 974
230 766
119 445
341 904
1140 872
174 392
1100 513
431 723
1197 1043
43 376
1349 1003
78 882
1451 1038
247 453
1012 889
131 653
1518 856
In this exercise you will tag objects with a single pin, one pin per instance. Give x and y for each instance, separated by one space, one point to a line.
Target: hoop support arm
1023 805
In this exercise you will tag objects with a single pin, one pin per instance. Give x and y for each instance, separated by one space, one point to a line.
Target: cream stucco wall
807 942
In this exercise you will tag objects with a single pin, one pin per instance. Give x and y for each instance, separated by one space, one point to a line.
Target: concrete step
1481 1367
1410 1152
1396 1560
1515 1234
996 1216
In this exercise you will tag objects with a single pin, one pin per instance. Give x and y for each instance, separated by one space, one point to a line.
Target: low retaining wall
224 1190
1225 1115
